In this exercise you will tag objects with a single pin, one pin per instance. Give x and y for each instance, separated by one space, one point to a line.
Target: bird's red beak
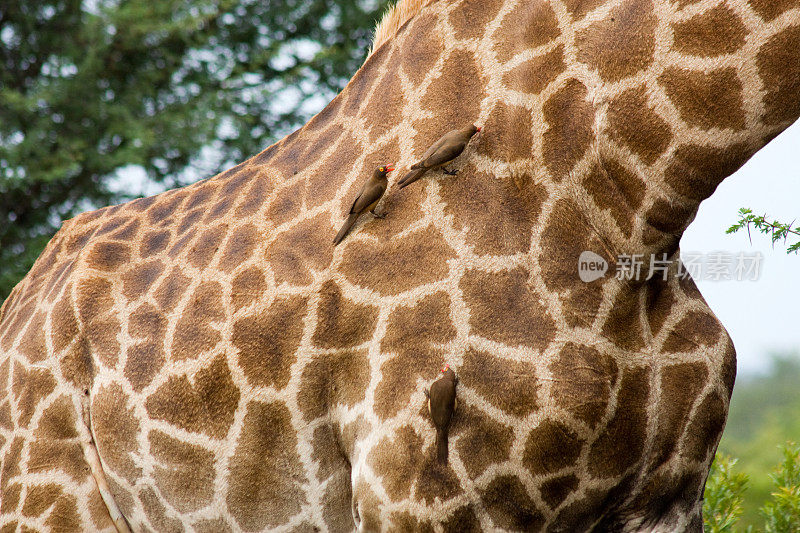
389 168
479 128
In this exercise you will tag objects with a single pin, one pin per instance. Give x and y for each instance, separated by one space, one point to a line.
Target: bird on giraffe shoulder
442 403
366 200
446 149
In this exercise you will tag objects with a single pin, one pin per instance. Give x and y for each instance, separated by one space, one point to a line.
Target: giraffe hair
393 19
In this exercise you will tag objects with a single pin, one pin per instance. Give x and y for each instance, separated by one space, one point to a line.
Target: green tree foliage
782 511
777 231
178 88
722 506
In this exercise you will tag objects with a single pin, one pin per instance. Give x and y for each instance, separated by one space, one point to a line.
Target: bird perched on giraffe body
442 403
366 200
447 148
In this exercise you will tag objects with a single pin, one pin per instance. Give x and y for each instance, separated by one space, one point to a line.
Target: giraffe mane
393 19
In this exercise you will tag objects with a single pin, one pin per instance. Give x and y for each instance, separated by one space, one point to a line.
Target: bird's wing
370 194
445 153
355 201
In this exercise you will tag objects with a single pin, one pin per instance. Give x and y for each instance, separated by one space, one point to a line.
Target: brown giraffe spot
455 95
507 501
116 430
635 124
128 232
366 506
206 247
265 473
706 100
193 333
301 250
189 221
154 242
166 206
77 241
705 429
534 75
498 213
402 462
247 287
32 344
608 197
405 521
508 385
631 186
147 322
201 193
206 404
30 387
184 473
771 9
670 216
255 197
583 379
171 289
579 8
56 443
40 498
362 82
286 204
566 236
680 386
64 516
696 329
550 447
462 520
325 117
621 445
695 170
621 44
570 117
340 322
504 309
330 379
554 491
337 509
660 302
416 357
111 225
140 279
13 326
322 183
530 25
327 454
108 255
144 361
419 51
385 266
267 342
288 154
235 179
240 247
140 204
668 493
212 525
56 283
712 33
511 138
387 101
222 206
777 63
729 367
583 513
472 17
157 513
482 441
623 326
77 365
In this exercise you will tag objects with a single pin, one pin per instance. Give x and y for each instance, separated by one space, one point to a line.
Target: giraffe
205 360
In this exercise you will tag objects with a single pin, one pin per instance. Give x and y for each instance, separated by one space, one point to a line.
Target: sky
760 316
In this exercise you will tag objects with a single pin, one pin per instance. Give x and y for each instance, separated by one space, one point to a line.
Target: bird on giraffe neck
366 200
447 148
442 403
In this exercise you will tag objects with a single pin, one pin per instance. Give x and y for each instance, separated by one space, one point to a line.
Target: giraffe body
205 360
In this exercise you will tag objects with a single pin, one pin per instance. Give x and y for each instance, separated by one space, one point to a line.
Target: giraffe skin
205 360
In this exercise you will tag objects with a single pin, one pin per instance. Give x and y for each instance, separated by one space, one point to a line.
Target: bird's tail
345 228
411 177
441 446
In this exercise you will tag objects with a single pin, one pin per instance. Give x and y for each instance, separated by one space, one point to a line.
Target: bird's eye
381 169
